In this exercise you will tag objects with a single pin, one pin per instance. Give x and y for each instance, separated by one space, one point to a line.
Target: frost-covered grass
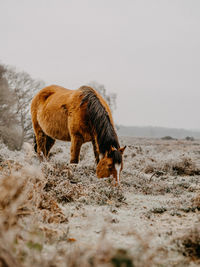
55 214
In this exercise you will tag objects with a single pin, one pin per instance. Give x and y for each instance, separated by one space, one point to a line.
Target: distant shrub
189 138
167 138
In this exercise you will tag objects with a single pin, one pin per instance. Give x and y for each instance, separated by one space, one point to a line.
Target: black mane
99 120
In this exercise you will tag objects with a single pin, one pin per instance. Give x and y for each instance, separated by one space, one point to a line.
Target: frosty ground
54 214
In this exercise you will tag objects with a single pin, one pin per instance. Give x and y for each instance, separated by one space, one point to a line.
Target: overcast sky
145 51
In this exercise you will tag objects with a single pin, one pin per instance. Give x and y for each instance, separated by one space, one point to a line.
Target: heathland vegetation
56 214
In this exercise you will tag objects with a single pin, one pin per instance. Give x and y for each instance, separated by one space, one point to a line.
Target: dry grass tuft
184 167
67 184
63 190
24 204
189 244
103 194
196 202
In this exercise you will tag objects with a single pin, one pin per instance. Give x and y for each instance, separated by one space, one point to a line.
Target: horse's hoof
118 185
73 166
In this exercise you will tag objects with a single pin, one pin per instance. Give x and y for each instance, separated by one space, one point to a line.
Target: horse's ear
122 149
111 149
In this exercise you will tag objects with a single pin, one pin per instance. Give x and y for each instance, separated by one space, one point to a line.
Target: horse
78 116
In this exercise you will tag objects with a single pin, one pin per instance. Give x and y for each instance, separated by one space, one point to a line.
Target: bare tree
16 92
24 87
6 99
8 119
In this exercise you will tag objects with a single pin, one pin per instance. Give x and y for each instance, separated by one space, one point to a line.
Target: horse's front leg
96 152
76 143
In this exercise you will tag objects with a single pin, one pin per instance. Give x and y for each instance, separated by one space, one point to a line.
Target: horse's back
46 92
49 111
57 111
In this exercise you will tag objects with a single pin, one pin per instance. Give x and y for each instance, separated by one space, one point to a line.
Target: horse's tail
100 119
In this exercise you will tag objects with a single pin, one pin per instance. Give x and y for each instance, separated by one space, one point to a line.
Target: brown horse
78 116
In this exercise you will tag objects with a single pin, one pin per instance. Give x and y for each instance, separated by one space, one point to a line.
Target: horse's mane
99 120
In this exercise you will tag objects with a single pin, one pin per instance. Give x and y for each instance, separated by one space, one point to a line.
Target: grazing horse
78 116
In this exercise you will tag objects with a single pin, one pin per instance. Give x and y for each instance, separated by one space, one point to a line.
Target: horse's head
111 164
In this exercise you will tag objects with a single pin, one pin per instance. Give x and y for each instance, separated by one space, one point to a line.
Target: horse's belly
57 133
55 127
56 121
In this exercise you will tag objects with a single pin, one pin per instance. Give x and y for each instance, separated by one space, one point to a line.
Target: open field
53 214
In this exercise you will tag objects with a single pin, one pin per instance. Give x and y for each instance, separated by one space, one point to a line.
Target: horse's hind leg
49 143
76 143
35 144
42 142
45 143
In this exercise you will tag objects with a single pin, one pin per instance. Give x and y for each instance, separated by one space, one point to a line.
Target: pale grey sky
146 51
